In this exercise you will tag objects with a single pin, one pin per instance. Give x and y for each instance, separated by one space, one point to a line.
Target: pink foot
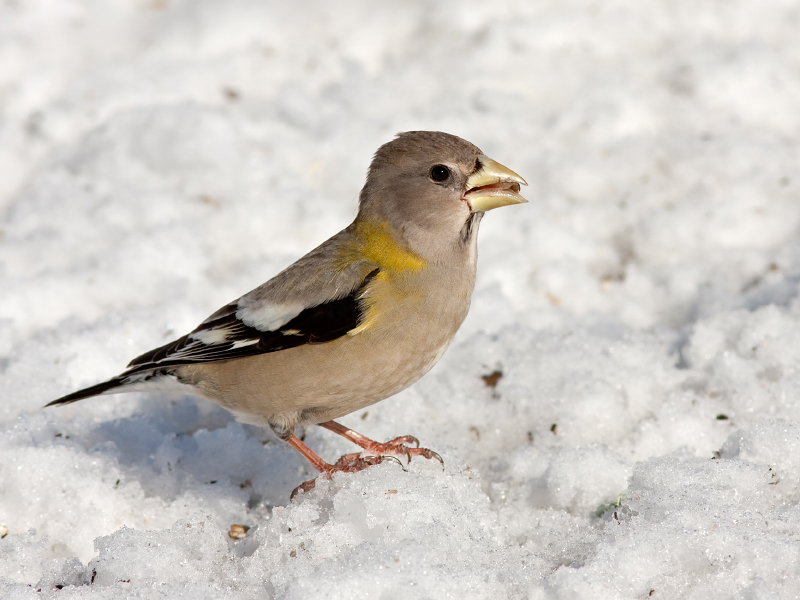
349 463
398 446
395 446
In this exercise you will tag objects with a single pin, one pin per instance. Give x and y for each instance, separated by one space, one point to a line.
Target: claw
303 487
426 453
395 459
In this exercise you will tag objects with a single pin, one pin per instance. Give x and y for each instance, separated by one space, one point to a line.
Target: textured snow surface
620 414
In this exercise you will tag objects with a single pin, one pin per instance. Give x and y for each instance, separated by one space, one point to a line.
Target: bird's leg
395 446
349 463
319 464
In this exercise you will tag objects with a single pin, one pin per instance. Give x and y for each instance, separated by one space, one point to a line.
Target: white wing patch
268 317
211 337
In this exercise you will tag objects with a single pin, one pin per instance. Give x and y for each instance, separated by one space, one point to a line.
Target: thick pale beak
492 186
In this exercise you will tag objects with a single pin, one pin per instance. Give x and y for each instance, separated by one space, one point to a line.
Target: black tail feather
94 390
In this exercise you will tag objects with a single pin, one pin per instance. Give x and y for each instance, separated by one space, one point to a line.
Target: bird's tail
95 390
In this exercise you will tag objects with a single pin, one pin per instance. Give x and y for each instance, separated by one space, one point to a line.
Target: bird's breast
427 304
407 325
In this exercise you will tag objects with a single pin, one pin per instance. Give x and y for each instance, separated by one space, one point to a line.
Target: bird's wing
302 305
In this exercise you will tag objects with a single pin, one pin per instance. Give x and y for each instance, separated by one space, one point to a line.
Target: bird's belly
319 382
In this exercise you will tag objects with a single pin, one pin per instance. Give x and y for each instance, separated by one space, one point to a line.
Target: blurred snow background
620 414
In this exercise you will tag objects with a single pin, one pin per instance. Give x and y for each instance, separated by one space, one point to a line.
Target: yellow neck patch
376 243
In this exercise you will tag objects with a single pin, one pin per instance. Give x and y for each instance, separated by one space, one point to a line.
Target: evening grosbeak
354 321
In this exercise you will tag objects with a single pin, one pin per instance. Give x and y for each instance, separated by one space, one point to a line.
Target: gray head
433 187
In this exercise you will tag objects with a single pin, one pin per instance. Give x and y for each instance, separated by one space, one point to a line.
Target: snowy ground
161 157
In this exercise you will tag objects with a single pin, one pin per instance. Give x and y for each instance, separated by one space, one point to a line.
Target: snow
620 414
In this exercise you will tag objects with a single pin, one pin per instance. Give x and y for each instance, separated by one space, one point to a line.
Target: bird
356 320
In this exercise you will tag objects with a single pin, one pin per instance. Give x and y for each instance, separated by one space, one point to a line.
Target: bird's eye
439 172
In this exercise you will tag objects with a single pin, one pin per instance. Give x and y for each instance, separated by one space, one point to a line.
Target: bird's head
432 188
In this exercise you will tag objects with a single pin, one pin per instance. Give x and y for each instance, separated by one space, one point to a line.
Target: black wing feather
89 392
315 325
